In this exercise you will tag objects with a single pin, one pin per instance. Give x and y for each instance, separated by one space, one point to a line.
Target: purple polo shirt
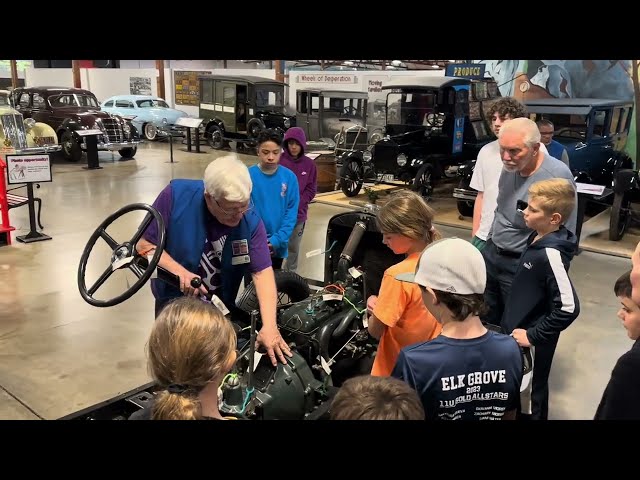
210 262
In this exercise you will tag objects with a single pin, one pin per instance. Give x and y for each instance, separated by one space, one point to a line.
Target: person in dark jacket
294 159
621 397
543 302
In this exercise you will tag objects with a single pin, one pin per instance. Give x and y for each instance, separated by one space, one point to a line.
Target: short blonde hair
227 178
556 195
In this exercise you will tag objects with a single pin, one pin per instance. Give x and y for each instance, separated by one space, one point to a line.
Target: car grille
385 153
359 136
113 129
14 134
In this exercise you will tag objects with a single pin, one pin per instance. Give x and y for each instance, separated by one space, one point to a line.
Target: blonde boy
543 301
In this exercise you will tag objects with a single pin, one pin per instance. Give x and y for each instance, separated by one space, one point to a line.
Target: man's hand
271 339
271 250
371 303
521 337
185 284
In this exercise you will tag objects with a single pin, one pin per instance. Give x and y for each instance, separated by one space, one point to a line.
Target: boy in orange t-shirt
397 316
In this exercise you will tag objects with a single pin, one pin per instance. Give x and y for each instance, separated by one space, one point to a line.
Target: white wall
105 82
49 77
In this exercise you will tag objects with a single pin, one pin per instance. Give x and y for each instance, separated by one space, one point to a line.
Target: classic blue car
150 115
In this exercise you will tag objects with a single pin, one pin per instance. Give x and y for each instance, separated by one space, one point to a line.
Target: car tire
215 138
423 181
71 149
254 127
465 207
620 213
150 131
128 152
351 177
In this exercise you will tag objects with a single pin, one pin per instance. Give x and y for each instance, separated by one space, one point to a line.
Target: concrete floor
59 354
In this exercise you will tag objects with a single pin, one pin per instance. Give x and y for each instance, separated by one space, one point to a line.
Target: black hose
344 324
349 249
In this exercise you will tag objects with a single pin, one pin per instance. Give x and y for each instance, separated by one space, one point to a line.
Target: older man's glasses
236 211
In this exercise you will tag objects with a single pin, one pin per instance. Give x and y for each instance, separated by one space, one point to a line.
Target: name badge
240 247
240 260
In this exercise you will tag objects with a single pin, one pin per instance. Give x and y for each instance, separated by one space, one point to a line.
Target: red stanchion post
5 227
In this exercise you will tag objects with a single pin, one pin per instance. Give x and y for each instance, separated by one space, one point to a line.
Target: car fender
41 134
355 154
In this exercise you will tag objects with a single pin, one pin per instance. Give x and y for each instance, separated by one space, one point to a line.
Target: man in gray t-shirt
523 164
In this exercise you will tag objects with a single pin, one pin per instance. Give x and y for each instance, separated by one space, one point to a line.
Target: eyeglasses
235 212
546 133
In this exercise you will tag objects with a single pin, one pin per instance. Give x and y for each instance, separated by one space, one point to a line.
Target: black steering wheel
124 255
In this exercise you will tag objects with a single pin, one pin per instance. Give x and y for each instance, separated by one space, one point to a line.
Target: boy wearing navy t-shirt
468 372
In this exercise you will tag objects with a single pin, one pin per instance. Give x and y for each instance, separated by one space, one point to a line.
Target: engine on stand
329 339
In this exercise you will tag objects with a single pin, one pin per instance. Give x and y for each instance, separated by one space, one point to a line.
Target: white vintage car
19 136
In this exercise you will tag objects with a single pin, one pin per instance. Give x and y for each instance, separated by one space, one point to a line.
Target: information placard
28 168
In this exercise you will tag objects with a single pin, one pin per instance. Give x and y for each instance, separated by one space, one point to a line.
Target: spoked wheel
124 255
214 138
422 183
351 177
620 216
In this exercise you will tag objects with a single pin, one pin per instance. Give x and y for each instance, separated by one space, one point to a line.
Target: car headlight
126 128
29 123
401 159
367 156
287 123
164 121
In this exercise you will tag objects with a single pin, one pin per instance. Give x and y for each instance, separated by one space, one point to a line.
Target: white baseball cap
450 265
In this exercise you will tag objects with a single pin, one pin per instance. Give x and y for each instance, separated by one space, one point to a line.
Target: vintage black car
238 108
594 131
68 110
428 129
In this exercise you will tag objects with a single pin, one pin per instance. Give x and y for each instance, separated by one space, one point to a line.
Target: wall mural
530 79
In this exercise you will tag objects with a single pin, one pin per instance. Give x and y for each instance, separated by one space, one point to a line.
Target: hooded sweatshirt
542 299
303 167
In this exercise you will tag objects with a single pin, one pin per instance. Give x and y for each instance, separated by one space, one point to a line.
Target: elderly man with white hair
523 163
215 234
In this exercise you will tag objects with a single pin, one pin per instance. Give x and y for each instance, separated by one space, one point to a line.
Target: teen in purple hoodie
294 159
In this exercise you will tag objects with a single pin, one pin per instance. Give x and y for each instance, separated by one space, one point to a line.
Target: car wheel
423 181
214 137
351 177
465 207
620 214
70 147
150 131
128 152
